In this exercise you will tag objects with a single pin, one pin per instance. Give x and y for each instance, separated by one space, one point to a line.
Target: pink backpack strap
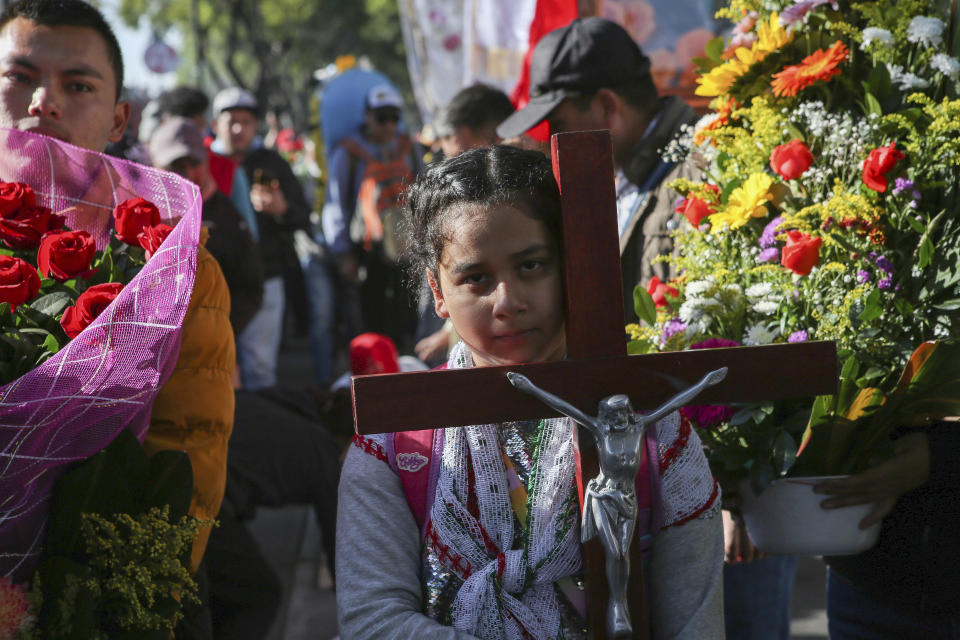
649 491
413 455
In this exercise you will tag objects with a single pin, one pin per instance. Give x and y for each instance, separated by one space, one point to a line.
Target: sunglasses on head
383 116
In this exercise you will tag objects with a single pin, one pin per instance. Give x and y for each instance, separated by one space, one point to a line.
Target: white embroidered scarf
510 593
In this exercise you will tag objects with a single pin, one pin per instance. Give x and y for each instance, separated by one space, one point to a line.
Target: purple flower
884 263
705 416
768 254
799 336
800 9
863 276
769 236
672 328
715 343
886 283
902 184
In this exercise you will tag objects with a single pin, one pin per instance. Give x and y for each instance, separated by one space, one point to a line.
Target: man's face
463 138
381 124
568 117
59 81
189 168
237 129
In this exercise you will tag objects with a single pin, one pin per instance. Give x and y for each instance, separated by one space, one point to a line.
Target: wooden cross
597 364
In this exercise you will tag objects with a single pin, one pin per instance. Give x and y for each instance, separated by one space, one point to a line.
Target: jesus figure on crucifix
610 500
477 533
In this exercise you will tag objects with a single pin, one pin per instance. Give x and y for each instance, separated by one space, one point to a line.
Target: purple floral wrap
106 379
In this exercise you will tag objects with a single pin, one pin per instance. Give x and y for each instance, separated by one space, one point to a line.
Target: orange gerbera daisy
819 65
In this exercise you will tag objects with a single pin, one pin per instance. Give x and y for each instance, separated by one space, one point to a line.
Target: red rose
22 222
791 160
152 237
19 281
66 254
878 164
659 292
694 209
802 252
131 216
90 304
14 195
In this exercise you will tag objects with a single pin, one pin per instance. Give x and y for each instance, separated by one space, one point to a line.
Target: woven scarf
507 593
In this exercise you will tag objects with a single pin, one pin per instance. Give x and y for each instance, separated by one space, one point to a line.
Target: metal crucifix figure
610 499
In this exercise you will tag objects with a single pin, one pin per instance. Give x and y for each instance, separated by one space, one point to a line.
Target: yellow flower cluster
771 35
749 146
747 201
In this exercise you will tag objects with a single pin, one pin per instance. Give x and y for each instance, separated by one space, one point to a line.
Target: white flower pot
787 518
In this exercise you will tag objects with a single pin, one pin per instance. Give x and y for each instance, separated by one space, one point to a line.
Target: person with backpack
474 532
369 172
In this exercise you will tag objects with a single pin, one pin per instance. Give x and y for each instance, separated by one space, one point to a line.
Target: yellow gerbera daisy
771 35
747 201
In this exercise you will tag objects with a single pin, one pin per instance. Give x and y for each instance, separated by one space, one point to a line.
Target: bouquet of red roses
95 281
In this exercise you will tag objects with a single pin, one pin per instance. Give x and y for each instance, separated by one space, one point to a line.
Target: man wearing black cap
592 75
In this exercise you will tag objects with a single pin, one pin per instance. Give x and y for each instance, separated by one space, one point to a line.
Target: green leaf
949 305
926 252
784 452
761 474
714 50
729 188
871 105
871 307
52 304
638 347
643 305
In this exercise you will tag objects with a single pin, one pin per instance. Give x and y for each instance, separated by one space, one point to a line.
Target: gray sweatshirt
379 564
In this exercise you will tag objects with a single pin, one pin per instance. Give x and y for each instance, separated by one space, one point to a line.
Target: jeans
259 344
854 615
756 598
320 293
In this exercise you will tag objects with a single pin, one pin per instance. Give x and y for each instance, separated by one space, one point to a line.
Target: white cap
234 98
383 95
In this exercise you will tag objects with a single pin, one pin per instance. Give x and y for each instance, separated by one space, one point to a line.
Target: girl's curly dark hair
483 176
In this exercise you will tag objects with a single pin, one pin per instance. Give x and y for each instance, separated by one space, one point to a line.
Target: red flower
152 237
694 209
22 222
878 164
66 254
14 195
19 281
802 252
659 292
90 304
791 160
131 216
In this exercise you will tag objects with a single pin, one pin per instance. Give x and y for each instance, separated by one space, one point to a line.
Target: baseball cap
234 98
586 55
373 353
176 138
383 95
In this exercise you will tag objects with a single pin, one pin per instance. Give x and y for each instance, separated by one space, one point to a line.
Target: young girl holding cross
491 547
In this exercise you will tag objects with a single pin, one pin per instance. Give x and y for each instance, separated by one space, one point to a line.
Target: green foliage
117 549
272 47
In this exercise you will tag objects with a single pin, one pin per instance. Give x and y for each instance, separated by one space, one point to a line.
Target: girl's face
500 284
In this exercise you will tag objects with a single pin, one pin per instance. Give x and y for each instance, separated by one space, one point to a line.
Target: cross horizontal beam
482 395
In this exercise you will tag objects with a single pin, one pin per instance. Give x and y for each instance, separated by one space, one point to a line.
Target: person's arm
336 210
684 577
522 383
378 558
920 457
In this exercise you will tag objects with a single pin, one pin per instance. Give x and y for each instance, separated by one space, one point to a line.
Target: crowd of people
456 261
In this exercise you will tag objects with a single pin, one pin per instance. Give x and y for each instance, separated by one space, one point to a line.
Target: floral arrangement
828 209
54 281
116 553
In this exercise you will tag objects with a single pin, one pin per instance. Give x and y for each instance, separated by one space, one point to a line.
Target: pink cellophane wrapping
107 378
